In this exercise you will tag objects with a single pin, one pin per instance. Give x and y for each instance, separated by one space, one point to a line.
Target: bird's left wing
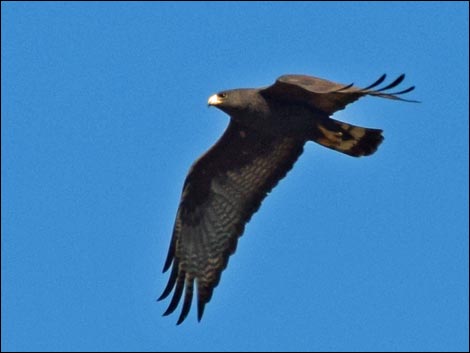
328 96
221 192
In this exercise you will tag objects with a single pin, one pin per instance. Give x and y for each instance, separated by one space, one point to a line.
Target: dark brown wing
221 192
328 96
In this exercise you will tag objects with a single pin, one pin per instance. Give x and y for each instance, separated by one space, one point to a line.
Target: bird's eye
222 95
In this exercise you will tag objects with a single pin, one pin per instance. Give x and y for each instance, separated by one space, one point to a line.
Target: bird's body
225 187
272 117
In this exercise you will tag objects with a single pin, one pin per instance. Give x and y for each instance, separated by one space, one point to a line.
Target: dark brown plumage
267 132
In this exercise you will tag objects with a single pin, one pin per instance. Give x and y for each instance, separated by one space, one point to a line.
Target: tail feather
349 139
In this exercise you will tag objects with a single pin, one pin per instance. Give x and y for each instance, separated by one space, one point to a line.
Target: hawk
268 129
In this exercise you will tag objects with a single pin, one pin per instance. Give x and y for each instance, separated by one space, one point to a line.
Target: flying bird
268 129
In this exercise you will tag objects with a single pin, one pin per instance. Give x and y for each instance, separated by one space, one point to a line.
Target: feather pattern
222 191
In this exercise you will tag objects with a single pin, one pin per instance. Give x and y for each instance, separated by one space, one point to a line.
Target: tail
353 140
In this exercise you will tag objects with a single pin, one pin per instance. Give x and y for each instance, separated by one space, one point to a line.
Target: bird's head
232 101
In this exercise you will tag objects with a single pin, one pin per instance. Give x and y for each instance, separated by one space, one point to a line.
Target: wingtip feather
376 83
395 83
188 298
200 310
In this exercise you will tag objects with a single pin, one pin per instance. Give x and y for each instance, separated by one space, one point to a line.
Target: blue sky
103 112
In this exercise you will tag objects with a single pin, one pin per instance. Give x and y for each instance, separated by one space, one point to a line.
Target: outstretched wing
221 192
328 96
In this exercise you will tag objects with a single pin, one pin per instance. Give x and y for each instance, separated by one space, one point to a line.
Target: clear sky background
104 110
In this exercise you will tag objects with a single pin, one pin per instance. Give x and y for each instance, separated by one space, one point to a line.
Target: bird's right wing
328 96
221 192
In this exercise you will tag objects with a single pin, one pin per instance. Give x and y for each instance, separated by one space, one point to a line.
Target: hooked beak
214 100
